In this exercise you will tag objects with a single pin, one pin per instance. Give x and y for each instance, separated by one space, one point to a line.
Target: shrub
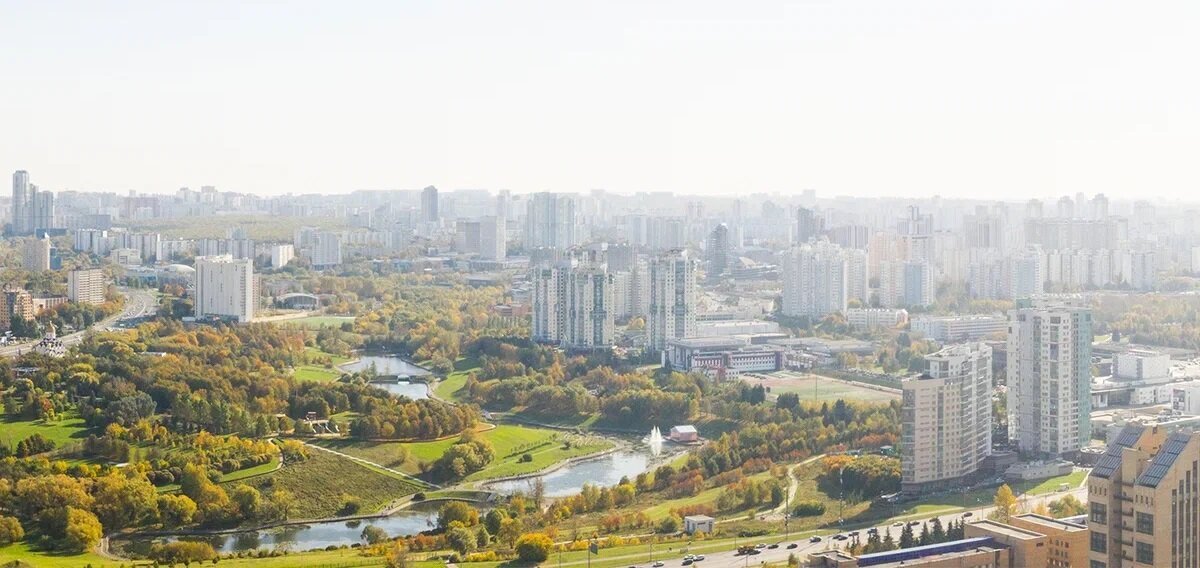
534 547
809 509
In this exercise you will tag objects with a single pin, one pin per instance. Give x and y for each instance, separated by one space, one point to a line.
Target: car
687 561
657 564
760 546
813 539
872 530
852 533
968 514
914 523
773 546
689 557
840 537
897 524
698 557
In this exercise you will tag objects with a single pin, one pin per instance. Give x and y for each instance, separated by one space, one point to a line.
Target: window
1099 542
1145 523
1097 564
1099 513
1145 553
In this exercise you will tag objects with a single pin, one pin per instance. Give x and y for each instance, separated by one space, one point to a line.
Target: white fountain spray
655 440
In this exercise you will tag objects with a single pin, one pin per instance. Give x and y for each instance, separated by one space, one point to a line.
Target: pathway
420 482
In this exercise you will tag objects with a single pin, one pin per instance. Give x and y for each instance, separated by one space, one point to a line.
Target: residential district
471 378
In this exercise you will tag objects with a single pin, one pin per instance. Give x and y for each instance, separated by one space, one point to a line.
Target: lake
606 470
386 365
299 537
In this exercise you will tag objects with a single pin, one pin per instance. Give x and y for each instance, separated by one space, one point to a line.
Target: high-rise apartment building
1049 377
573 302
918 283
946 417
36 254
224 288
493 240
718 252
281 255
672 298
326 250
808 225
815 280
550 221
429 205
86 286
21 203
1144 500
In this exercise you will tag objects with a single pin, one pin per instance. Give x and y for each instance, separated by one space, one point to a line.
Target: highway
139 303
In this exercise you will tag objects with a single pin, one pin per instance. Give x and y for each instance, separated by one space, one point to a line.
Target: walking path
420 482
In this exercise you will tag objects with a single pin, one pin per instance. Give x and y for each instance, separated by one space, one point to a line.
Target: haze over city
1013 99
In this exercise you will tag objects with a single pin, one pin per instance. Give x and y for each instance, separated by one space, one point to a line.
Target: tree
122 501
182 552
374 535
492 520
534 547
1006 504
669 525
906 537
176 510
457 511
247 500
10 530
1068 506
83 530
510 531
461 539
937 533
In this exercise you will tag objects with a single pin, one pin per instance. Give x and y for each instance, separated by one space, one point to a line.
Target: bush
534 547
10 530
183 552
670 524
526 458
809 509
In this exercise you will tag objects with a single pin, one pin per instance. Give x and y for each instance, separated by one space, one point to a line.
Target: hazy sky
987 99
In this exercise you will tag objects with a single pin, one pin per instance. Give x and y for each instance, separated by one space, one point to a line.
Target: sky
1008 99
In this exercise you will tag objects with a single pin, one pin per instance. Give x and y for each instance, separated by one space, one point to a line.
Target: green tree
457 511
121 501
374 535
176 510
907 540
461 539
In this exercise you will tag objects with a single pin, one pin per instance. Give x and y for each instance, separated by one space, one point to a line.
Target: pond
298 537
606 470
386 365
404 388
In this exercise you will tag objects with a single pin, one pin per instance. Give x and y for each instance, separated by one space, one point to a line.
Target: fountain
655 440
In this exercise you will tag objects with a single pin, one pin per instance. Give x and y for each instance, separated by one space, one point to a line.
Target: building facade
672 298
86 286
1049 377
815 280
946 417
224 288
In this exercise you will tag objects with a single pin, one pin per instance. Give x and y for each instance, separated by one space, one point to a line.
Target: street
139 303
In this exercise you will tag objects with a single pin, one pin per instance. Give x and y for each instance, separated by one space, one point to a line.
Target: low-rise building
876 318
721 357
959 328
685 433
693 524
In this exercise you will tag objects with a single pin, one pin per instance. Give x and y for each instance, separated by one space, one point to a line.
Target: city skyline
866 100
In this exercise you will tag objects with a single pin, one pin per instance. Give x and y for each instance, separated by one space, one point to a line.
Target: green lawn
70 428
449 387
317 322
319 482
314 353
510 442
41 559
316 374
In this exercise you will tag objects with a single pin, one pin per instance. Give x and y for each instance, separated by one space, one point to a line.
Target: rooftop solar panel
1162 462
1112 456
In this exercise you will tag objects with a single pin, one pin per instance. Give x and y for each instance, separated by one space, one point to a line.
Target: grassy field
508 441
70 429
39 559
316 322
814 387
447 388
316 374
314 353
319 482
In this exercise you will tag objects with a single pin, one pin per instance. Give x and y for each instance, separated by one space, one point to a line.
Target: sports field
815 387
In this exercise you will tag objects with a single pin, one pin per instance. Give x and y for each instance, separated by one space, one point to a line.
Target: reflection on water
302 537
386 365
606 470
405 388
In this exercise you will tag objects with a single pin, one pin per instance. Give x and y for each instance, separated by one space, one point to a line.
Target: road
729 559
139 303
